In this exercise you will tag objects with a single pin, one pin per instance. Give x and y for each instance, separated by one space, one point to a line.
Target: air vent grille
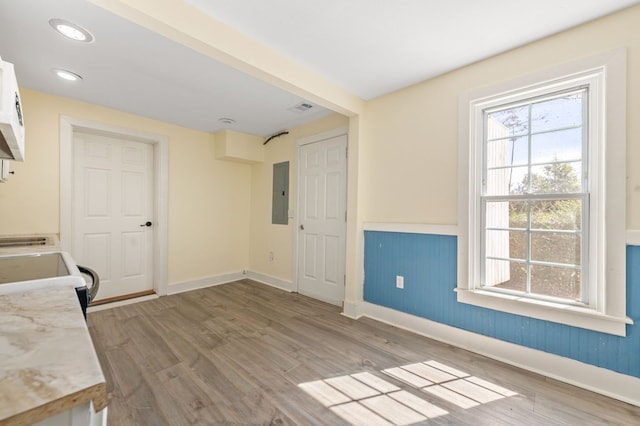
301 107
24 241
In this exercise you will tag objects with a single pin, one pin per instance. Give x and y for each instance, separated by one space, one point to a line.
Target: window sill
569 315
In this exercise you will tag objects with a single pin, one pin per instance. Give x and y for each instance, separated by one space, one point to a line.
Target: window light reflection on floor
364 398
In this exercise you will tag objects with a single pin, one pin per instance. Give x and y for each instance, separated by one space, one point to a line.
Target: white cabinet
4 170
82 415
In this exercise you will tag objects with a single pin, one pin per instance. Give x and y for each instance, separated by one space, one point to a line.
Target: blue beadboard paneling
428 264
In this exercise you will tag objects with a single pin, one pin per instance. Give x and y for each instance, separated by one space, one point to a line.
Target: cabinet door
4 170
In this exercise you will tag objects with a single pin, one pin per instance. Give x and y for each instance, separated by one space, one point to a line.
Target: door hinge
346 152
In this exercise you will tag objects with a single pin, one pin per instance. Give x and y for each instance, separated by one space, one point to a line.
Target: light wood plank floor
245 353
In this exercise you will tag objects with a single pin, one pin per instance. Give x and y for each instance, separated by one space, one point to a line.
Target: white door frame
160 144
340 131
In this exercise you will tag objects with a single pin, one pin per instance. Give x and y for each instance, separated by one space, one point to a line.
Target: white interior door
112 206
322 201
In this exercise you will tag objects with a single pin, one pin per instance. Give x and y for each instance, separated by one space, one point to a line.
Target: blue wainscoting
428 264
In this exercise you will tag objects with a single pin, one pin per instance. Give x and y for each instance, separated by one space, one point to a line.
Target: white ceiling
368 47
373 47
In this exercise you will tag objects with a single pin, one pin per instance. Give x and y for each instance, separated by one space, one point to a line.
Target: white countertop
47 360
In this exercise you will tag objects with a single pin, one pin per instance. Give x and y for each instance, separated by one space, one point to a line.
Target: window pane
518 244
564 283
558 113
555 247
509 122
505 274
506 244
563 145
556 178
497 214
506 181
556 214
506 214
507 152
497 244
518 214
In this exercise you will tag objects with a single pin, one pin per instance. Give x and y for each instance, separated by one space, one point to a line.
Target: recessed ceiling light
66 75
226 120
71 30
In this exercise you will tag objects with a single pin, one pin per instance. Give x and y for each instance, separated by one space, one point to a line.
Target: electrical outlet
399 281
270 256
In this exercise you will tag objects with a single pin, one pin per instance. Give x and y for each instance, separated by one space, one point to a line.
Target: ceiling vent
301 107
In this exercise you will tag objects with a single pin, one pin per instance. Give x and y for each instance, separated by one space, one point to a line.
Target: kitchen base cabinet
82 415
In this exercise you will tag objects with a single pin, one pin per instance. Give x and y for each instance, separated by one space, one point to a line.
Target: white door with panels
112 207
322 206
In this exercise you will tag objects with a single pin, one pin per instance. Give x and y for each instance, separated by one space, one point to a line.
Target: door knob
302 227
147 224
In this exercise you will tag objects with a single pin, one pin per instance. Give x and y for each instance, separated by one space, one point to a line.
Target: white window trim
608 261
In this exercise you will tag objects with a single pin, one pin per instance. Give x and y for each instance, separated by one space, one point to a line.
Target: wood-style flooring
245 353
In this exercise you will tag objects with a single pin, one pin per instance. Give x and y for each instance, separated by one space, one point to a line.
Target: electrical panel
280 196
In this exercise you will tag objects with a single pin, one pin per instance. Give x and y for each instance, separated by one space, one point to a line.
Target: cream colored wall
30 198
240 147
266 237
409 151
208 199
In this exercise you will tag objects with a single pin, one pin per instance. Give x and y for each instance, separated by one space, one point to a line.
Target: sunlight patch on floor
366 399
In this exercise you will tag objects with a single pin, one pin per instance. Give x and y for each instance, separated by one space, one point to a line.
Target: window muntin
534 199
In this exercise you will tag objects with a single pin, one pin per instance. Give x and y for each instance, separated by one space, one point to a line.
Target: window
534 199
542 195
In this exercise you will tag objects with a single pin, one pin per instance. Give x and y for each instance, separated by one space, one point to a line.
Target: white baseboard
606 382
228 278
269 280
204 282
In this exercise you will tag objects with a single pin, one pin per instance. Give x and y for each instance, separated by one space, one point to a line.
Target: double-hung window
534 196
542 195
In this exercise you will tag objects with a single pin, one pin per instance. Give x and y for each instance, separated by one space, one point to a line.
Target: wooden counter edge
96 393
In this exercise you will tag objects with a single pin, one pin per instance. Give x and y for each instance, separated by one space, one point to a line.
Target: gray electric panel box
280 196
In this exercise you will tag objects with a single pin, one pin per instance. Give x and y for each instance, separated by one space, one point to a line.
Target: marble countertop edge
47 360
96 394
